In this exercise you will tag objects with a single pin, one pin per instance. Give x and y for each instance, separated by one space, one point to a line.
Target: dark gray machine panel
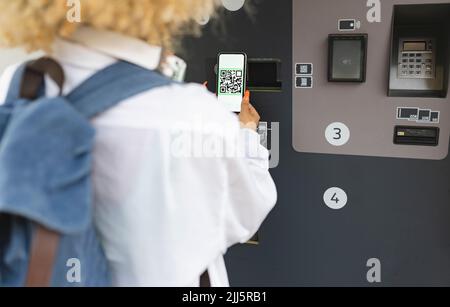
397 211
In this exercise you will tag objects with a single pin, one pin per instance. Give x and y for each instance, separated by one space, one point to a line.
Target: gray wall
398 209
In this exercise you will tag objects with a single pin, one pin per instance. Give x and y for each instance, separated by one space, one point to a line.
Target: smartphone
231 80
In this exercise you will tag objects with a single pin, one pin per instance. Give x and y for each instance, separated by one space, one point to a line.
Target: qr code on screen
231 81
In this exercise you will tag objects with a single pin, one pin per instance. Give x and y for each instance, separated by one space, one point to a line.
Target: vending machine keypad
416 59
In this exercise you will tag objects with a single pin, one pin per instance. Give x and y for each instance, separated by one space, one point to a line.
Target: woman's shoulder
177 102
195 99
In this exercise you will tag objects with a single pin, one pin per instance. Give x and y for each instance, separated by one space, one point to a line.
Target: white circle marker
337 134
335 198
233 5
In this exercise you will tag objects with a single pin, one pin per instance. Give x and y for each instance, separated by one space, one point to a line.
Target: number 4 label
335 198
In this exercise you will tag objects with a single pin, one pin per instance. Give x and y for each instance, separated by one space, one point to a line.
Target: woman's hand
248 117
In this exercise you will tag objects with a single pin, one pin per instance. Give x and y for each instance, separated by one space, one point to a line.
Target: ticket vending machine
380 82
364 127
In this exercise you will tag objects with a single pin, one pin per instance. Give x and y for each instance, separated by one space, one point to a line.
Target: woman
165 211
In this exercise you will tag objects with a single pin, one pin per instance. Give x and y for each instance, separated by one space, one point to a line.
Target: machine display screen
415 46
347 58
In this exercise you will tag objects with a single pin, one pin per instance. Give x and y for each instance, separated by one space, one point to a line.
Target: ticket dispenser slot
419 65
264 75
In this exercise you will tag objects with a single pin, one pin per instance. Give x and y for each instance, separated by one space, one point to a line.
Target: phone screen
231 79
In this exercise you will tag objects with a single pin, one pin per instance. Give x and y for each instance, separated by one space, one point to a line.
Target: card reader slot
420 136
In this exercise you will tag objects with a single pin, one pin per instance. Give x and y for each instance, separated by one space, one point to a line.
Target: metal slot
420 136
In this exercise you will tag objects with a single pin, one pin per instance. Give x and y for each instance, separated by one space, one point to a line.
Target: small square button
434 117
304 69
304 82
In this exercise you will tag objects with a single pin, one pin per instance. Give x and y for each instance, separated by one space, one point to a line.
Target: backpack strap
42 257
112 85
95 95
205 281
28 80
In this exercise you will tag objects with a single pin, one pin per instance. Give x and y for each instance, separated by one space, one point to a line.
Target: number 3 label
335 198
337 134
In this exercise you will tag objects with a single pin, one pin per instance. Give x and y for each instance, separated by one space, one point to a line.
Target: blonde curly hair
34 24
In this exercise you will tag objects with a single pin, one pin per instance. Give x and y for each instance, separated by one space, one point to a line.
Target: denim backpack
47 236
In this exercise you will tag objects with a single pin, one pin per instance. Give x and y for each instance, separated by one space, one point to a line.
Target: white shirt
165 215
